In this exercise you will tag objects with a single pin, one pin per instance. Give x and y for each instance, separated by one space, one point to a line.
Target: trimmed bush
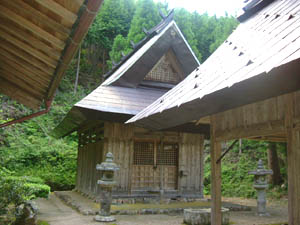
25 179
38 190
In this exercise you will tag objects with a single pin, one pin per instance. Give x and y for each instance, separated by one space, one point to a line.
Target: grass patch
41 222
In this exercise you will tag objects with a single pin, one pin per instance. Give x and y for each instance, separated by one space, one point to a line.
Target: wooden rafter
26 57
29 49
38 16
58 9
28 69
6 13
38 39
31 40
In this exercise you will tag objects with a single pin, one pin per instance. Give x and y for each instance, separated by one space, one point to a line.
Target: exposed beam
87 17
26 57
16 72
21 83
6 13
30 50
21 34
28 69
58 9
18 94
261 129
39 16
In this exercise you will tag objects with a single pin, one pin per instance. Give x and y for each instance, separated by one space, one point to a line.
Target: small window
143 153
168 155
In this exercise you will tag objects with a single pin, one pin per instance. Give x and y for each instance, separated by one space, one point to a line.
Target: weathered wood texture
185 177
273 119
215 153
38 40
293 152
190 158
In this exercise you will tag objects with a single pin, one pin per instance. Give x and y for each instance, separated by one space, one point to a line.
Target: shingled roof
259 60
38 39
125 91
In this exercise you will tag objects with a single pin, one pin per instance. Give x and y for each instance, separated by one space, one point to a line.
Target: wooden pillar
215 153
293 152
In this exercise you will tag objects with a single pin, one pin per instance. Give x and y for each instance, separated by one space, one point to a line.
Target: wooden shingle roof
259 60
126 92
38 39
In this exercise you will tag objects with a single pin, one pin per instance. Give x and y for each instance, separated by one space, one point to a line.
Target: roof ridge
149 34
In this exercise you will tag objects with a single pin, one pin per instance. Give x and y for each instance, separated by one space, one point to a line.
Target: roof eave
80 28
279 81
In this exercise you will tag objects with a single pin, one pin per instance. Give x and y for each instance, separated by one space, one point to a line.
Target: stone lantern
107 182
261 184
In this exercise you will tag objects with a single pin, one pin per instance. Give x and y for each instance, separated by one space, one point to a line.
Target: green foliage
120 45
235 179
38 190
146 16
26 179
184 20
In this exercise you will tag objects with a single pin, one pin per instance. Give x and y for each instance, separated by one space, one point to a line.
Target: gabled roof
259 60
126 91
38 39
166 35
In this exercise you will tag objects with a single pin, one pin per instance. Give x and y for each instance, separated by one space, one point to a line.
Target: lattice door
167 160
154 168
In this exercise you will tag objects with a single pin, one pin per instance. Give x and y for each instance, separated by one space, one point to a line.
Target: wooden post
293 152
215 153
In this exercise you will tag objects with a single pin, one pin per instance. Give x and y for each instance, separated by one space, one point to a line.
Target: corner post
215 153
293 153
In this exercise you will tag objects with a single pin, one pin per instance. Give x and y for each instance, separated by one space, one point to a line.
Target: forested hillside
28 148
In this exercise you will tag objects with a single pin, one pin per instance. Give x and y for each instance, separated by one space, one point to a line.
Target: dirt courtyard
55 212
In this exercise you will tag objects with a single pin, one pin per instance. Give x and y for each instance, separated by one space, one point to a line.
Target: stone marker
26 214
202 216
260 184
106 183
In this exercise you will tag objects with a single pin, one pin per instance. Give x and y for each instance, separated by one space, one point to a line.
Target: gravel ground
54 211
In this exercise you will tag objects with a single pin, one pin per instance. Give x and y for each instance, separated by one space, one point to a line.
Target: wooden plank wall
88 157
280 115
190 158
119 140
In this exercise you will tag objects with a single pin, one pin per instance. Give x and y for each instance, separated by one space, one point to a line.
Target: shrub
37 190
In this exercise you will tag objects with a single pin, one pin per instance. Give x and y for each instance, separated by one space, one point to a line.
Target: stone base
263 214
99 218
202 216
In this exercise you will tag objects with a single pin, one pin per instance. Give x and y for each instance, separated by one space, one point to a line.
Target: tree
184 21
113 19
146 16
273 163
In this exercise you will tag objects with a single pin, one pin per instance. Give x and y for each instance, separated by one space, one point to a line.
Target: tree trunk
77 72
273 164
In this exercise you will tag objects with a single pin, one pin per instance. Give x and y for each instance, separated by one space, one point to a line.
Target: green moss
161 206
40 222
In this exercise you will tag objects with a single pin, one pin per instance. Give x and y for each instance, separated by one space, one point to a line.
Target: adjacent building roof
259 60
38 39
131 85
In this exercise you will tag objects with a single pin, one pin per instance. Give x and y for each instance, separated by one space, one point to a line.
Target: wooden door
155 166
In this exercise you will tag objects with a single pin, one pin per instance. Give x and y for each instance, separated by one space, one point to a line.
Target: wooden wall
265 118
272 119
119 139
191 163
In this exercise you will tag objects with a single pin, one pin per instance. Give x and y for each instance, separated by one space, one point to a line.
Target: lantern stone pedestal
260 184
106 183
